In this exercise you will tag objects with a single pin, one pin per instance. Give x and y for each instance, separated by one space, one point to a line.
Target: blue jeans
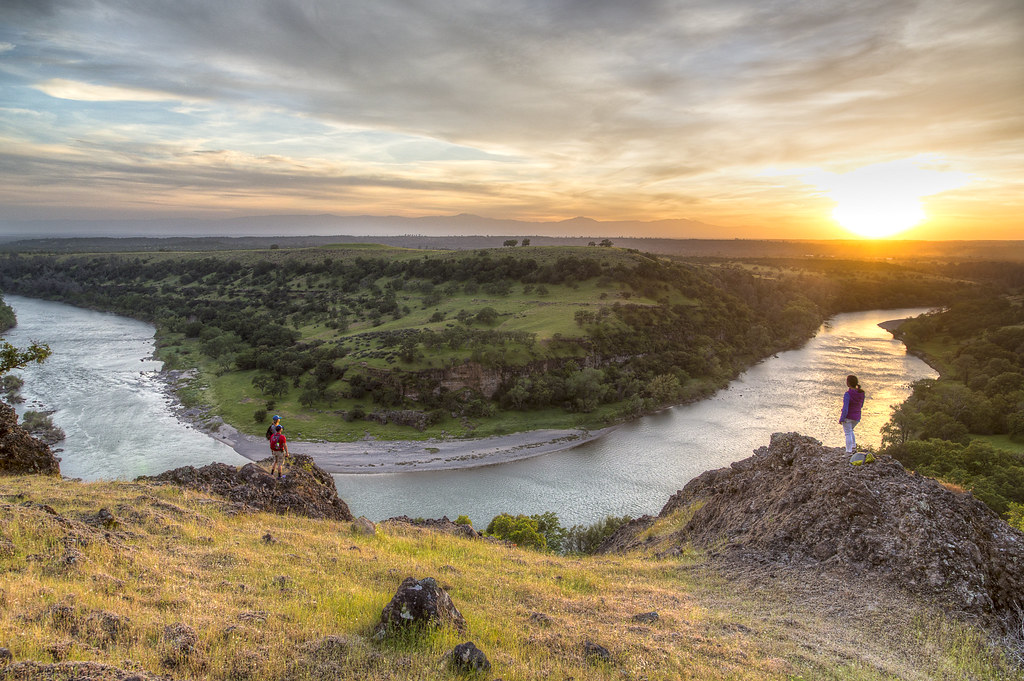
851 441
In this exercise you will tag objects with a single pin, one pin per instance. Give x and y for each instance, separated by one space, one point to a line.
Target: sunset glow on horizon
884 200
874 118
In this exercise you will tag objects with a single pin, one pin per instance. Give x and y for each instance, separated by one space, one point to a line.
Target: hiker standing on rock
853 400
279 449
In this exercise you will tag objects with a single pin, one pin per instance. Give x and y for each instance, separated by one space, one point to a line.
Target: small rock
105 518
59 650
5 657
179 643
62 617
646 617
269 539
596 651
540 619
107 628
467 657
363 525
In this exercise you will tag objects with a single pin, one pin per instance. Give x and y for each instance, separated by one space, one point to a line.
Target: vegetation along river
119 422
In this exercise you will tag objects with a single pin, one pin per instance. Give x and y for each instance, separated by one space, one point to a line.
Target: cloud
559 103
61 88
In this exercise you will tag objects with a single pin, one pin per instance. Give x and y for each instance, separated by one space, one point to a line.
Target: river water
119 423
101 380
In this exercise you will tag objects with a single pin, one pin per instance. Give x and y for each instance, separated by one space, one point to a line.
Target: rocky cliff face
305 490
20 453
797 503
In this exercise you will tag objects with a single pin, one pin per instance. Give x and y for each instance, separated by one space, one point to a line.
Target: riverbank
398 456
370 455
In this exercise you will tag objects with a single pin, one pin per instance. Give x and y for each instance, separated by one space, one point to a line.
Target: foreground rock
420 602
20 453
305 490
797 503
466 657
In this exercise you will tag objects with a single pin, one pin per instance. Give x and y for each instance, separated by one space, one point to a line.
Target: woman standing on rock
853 400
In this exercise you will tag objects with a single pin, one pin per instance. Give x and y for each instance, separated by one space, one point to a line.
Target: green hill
356 339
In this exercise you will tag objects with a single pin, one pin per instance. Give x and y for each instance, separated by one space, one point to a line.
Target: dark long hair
852 382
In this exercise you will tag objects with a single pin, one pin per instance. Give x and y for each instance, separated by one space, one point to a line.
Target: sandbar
405 456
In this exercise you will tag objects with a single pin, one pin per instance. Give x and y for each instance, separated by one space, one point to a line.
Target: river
102 382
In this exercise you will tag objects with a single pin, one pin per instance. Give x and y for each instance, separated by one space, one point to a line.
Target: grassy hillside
353 339
271 597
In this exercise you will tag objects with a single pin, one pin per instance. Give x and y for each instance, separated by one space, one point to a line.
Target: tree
606 243
510 242
13 358
487 316
520 530
526 242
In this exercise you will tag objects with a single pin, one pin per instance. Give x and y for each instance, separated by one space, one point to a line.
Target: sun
882 200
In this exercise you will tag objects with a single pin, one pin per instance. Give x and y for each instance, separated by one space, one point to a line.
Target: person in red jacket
279 448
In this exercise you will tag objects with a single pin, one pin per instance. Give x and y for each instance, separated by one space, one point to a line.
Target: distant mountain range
687 238
319 225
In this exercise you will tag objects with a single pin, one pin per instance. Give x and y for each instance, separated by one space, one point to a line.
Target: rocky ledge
306 489
798 503
20 453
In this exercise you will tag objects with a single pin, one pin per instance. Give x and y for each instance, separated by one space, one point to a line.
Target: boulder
20 453
306 489
419 602
365 526
596 651
798 503
466 657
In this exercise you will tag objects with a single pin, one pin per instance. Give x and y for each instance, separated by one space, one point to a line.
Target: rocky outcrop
797 503
20 453
442 525
79 671
306 489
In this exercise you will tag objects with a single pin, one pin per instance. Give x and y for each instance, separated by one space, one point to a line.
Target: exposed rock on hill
442 525
799 503
305 490
20 453
80 671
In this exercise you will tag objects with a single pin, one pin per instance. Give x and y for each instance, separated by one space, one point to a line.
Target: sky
768 118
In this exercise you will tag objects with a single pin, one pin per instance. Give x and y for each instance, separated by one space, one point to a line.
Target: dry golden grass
304 604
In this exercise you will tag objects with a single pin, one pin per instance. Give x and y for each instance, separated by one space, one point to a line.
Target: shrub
520 530
259 416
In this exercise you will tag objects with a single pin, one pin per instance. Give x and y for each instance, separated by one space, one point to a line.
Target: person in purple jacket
853 400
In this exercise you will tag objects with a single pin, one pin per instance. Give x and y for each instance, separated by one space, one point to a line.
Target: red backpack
277 442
